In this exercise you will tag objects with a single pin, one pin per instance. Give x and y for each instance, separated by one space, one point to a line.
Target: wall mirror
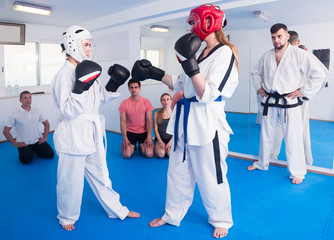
313 21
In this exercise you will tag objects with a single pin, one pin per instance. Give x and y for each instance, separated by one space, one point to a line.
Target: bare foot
297 181
220 232
68 227
157 222
132 214
251 168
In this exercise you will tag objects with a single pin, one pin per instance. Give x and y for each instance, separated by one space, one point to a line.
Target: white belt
99 127
99 131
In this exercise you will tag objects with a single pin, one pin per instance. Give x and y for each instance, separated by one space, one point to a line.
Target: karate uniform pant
305 108
199 166
293 137
279 134
259 109
306 129
277 142
70 181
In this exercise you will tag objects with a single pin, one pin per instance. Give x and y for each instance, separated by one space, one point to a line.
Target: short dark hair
293 37
133 81
274 28
24 92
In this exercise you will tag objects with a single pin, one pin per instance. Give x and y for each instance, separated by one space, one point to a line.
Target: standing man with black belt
283 76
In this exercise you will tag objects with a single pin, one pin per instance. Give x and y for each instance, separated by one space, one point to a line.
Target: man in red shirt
136 122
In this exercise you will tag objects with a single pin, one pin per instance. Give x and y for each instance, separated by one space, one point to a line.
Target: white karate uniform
305 108
78 140
206 122
278 133
306 121
296 70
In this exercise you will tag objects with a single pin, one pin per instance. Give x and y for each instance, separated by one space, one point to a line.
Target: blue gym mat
265 205
246 138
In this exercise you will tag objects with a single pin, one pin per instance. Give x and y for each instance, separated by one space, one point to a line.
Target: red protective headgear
198 18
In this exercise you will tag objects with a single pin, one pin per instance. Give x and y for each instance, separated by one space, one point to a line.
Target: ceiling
67 12
289 12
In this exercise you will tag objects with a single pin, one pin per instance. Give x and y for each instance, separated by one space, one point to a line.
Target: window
155 57
32 64
52 59
152 49
21 64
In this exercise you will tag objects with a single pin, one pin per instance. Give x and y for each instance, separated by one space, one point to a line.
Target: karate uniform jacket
206 115
80 126
296 70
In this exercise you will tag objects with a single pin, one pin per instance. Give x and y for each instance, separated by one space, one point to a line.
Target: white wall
252 44
239 102
320 36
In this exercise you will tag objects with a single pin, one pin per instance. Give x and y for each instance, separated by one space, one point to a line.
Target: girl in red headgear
198 124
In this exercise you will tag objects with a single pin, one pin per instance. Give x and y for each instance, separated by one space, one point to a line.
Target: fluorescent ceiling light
262 15
31 8
158 28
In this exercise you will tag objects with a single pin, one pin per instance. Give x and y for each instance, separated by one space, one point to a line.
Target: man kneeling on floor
29 139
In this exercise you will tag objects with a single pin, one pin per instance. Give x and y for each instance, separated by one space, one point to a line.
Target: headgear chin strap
71 42
199 16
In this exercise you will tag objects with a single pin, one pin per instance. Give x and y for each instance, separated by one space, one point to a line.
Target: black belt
277 97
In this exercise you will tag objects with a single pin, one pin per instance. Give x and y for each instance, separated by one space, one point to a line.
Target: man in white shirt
29 139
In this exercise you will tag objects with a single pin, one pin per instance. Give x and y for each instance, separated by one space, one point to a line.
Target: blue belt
186 102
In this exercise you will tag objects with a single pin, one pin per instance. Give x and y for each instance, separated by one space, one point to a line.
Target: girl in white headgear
78 137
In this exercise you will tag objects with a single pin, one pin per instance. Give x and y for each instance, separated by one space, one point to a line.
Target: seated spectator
29 139
163 140
136 122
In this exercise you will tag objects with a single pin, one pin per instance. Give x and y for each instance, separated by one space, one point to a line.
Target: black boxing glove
186 48
143 69
118 75
86 73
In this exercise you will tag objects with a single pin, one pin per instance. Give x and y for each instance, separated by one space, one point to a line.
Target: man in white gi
29 140
295 41
79 135
198 124
283 76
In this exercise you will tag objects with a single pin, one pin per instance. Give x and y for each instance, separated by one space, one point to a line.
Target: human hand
161 144
262 92
86 73
186 48
126 143
143 69
169 145
41 140
148 142
294 94
118 75
20 145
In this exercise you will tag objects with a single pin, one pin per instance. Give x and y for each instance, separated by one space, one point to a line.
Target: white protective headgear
71 42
